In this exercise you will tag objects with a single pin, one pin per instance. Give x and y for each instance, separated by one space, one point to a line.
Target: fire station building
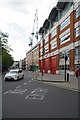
60 38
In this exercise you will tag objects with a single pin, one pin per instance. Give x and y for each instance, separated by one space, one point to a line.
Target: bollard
67 76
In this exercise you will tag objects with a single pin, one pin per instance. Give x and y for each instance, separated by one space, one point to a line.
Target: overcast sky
17 17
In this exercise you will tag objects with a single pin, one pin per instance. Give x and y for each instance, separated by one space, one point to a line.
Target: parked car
14 74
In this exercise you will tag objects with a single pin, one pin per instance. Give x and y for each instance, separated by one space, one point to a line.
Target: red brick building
61 37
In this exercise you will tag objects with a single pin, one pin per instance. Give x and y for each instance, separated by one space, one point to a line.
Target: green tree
7 59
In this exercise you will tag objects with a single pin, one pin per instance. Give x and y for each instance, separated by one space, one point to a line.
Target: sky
16 19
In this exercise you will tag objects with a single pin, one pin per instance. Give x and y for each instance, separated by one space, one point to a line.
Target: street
27 98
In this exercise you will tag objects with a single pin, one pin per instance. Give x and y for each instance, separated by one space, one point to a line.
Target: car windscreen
13 71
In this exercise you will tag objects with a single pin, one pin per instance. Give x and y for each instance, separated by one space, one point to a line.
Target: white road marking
18 86
6 92
25 83
37 94
32 91
18 91
34 97
40 90
42 97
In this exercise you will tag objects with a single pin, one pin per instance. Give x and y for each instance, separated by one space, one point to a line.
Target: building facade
32 58
62 37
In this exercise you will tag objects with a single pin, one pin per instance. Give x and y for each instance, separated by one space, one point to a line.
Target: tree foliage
7 59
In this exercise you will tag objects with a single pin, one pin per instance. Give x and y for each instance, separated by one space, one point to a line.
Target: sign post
66 58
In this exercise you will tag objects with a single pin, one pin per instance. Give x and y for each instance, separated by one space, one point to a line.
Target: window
53 44
77 12
77 66
53 33
41 43
41 51
65 23
77 31
62 67
61 55
65 38
77 53
46 39
46 48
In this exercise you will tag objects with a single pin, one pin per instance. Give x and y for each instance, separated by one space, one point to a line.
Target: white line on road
42 97
6 92
25 83
32 91
30 81
18 86
18 91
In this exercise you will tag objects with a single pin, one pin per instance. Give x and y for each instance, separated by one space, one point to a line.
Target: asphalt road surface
27 98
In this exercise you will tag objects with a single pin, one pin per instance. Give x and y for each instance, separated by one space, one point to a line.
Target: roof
61 4
46 24
41 30
53 14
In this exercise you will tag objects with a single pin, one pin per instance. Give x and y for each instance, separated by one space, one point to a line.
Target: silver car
14 74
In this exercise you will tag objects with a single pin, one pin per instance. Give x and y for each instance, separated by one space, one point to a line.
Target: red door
46 65
40 65
53 65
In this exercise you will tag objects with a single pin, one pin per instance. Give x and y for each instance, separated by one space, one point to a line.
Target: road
27 98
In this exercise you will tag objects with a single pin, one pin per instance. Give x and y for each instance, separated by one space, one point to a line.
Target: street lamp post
30 44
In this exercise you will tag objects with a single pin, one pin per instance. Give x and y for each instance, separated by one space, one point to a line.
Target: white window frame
53 33
63 38
77 31
53 44
46 39
65 23
41 51
77 52
46 48
41 44
77 12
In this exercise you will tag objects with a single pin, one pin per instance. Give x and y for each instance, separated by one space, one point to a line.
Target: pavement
58 80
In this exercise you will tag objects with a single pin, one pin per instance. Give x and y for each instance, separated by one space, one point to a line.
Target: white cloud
19 49
16 18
